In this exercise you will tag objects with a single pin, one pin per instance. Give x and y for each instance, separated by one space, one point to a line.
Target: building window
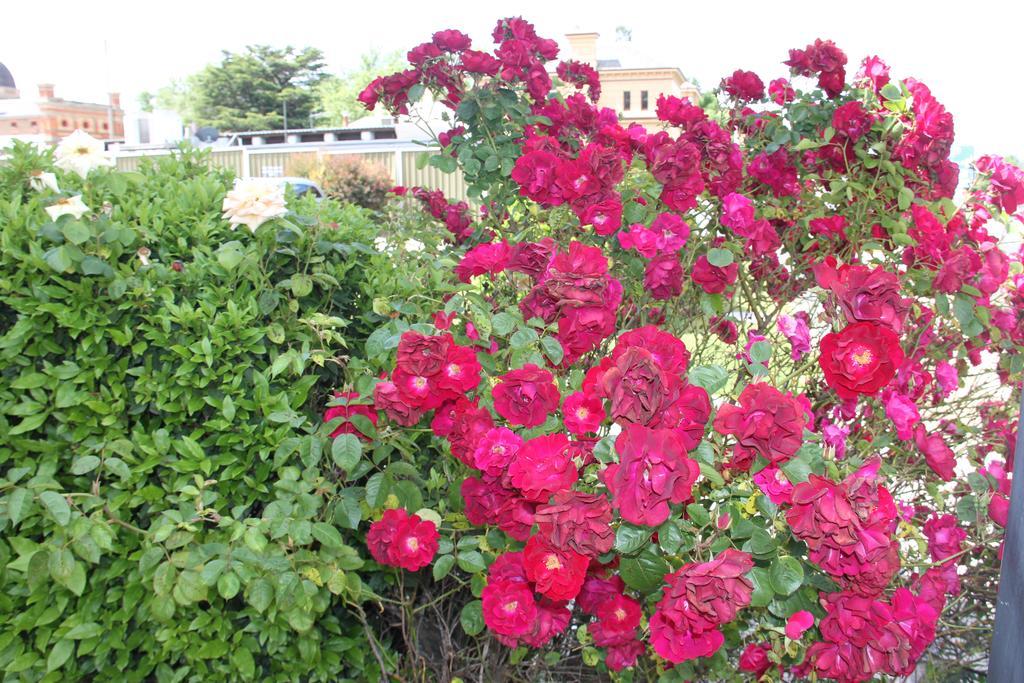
34 124
625 101
105 126
14 124
643 100
85 125
63 123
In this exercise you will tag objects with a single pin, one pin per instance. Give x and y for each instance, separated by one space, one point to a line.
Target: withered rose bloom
421 355
388 398
577 521
652 472
767 423
696 600
847 528
870 295
637 387
531 258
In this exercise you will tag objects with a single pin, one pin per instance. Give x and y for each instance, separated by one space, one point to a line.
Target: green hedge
171 507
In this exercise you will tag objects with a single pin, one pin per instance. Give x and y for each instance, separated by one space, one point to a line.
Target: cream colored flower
73 206
81 153
414 245
253 202
41 180
381 243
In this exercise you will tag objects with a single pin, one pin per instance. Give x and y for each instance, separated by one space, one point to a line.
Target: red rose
866 294
543 466
767 423
496 450
663 277
860 359
556 573
623 656
535 171
713 279
583 414
526 396
402 540
460 372
531 258
617 621
577 521
755 659
937 454
597 590
509 607
652 472
744 85
491 258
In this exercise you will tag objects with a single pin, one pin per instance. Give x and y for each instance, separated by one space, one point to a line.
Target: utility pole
1006 661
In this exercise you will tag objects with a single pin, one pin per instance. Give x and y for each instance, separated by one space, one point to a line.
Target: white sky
969 53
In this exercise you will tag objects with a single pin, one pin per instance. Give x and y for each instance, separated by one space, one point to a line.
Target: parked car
302 186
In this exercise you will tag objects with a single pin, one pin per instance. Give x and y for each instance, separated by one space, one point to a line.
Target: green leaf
259 594
670 537
471 561
87 463
346 451
57 506
698 514
28 424
19 504
230 254
327 535
212 571
720 258
442 566
761 543
905 198
76 232
472 617
552 349
59 654
787 574
761 352
891 91
164 578
712 378
630 538
89 629
645 572
59 258
763 593
228 585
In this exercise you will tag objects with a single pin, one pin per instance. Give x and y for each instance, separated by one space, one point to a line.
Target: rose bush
725 370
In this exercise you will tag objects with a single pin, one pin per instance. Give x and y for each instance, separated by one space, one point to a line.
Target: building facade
628 85
49 118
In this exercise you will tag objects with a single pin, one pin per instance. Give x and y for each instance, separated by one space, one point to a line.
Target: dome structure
8 89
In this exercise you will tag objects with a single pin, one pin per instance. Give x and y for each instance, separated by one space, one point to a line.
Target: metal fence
399 157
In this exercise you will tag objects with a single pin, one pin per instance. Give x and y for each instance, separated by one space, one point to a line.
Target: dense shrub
347 178
172 508
726 400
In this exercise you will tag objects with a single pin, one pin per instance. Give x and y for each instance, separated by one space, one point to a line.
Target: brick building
49 118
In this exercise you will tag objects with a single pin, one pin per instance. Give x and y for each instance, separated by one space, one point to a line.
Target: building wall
615 83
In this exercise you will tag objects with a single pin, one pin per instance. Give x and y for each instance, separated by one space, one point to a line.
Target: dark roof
6 79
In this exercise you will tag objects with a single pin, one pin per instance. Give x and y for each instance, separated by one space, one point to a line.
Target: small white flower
381 243
73 206
253 202
414 245
41 180
81 153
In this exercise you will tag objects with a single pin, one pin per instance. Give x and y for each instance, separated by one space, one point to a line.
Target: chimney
115 100
46 91
583 47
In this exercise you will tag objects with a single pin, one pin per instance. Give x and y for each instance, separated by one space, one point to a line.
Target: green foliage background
172 508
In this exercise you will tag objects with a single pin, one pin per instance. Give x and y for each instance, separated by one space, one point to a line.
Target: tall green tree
253 90
337 94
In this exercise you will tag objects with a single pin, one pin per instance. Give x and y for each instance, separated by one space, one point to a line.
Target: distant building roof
6 79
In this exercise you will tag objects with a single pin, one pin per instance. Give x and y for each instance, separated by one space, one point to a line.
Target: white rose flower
381 243
40 180
81 153
414 245
73 206
253 202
